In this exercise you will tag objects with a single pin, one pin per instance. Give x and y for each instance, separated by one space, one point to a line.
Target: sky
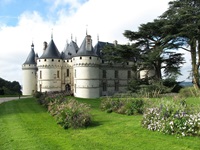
25 21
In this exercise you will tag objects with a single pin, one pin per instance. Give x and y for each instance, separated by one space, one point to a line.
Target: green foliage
9 88
70 114
189 92
26 125
122 106
173 117
172 84
37 94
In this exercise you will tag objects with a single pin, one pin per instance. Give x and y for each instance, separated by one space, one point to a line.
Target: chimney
88 43
45 45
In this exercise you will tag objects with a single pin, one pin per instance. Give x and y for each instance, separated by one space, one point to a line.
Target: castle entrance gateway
67 88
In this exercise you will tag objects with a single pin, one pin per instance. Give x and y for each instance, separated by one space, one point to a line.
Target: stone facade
81 71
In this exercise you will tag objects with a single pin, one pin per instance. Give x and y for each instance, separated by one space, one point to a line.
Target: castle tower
86 71
49 69
29 73
67 70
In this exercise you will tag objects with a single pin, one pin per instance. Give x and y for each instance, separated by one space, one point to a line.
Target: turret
49 69
86 71
29 73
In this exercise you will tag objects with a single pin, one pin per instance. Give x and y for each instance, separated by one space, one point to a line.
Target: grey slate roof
99 46
70 50
84 52
51 51
31 57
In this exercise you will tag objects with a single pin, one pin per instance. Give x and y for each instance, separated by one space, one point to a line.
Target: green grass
25 125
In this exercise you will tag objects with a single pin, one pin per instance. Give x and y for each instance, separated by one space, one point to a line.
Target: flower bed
173 118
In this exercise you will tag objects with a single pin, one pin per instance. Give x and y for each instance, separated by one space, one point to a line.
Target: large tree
184 17
156 48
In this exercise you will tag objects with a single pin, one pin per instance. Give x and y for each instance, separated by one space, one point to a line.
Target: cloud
106 18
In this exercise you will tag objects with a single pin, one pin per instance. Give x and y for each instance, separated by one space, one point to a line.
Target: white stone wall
67 75
29 79
146 73
49 75
86 77
115 83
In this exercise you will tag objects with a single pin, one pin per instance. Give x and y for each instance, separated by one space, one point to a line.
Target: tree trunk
195 64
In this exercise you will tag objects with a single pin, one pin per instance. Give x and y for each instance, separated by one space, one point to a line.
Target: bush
45 98
189 92
122 106
70 114
173 117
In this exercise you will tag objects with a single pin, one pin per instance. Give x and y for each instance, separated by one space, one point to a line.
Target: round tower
86 71
49 69
30 73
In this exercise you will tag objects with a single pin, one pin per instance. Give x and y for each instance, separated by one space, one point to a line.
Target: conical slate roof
51 51
31 57
70 50
83 51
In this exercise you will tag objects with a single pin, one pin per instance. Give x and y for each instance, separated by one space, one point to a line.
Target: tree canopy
9 88
184 17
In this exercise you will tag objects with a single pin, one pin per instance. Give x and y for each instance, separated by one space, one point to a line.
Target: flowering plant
172 118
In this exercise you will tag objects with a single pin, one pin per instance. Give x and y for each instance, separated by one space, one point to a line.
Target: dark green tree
156 48
183 17
9 88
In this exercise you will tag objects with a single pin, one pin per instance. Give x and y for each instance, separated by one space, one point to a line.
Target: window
80 57
67 72
74 88
116 74
40 74
90 57
58 74
104 86
129 74
75 73
116 86
104 73
52 59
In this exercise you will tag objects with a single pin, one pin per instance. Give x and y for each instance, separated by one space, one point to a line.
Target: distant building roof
31 57
51 51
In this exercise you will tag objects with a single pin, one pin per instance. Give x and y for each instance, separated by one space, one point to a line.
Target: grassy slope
26 125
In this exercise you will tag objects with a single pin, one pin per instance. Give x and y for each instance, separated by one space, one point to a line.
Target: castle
81 71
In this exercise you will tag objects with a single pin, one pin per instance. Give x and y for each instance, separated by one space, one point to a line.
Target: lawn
25 125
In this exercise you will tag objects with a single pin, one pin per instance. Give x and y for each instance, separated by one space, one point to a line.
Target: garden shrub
46 98
122 106
172 117
70 114
189 92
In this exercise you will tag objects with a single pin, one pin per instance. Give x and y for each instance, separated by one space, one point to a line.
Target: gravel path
6 99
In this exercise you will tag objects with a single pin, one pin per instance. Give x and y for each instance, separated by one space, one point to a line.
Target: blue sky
25 21
48 9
